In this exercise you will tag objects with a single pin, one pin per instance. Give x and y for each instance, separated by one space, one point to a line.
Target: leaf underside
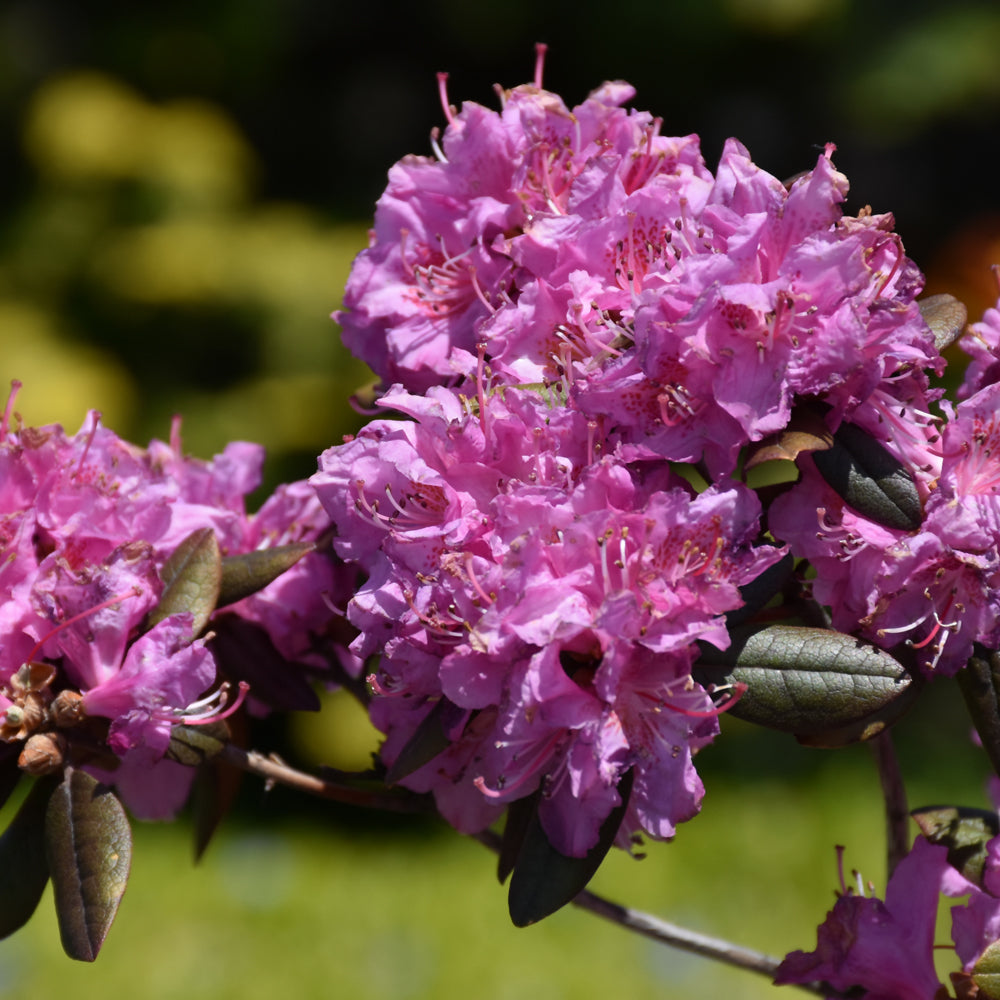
88 845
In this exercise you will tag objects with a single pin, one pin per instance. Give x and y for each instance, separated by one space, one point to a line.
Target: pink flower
582 249
87 522
885 948
547 599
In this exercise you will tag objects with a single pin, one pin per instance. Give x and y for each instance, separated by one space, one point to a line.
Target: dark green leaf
986 973
805 431
946 317
870 479
10 773
191 580
215 790
88 845
964 831
545 880
245 652
520 813
826 688
246 574
979 682
758 592
24 871
193 745
428 740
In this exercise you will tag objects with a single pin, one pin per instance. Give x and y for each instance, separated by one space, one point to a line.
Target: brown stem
272 769
675 936
897 814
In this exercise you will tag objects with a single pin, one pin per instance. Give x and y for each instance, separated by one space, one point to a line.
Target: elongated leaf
986 973
215 789
428 740
520 813
544 880
870 479
806 431
759 591
964 831
24 872
979 682
946 317
246 574
245 652
88 845
194 745
217 785
10 773
191 580
826 688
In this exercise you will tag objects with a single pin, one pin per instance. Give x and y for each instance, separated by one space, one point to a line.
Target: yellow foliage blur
88 127
145 214
61 380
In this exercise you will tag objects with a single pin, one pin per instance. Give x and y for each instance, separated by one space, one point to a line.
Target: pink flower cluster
583 248
544 598
87 522
564 302
936 587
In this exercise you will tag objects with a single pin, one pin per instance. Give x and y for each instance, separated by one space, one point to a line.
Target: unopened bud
34 712
43 754
67 710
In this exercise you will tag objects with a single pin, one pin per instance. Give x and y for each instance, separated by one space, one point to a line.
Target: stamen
443 630
737 691
540 755
91 434
211 708
15 388
840 867
591 440
895 267
540 49
175 435
480 392
477 288
605 570
380 689
449 111
436 146
474 580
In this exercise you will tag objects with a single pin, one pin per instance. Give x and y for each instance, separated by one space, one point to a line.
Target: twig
897 814
674 936
273 769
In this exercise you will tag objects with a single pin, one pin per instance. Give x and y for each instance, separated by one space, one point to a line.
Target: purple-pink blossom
87 522
522 574
562 302
886 949
582 248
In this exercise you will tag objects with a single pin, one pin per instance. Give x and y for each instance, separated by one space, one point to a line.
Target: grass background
306 897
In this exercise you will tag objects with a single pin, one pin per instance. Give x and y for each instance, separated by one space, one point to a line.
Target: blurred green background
182 188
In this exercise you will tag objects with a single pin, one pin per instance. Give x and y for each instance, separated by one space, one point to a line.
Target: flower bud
43 753
67 709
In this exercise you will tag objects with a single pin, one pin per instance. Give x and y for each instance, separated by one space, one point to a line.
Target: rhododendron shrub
557 555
